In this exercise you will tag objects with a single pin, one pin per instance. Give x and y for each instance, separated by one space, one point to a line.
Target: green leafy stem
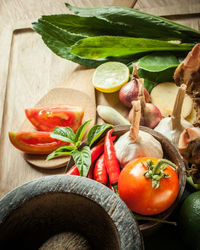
80 153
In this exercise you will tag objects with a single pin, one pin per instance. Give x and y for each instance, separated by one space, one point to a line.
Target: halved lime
110 76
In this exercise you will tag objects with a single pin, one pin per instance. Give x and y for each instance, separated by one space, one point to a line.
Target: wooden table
28 69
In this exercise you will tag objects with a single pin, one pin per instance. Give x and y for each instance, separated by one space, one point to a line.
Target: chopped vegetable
109 77
46 118
148 185
163 96
34 142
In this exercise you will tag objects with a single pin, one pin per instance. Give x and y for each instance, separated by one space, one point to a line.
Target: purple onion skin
129 92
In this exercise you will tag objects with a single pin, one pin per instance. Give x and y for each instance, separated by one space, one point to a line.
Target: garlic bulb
136 143
172 127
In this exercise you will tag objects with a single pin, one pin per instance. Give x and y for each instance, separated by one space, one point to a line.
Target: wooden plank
175 9
159 5
6 40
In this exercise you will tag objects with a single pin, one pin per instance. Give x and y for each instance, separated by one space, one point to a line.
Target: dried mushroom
188 72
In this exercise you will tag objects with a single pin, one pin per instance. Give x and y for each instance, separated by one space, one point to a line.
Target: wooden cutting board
28 70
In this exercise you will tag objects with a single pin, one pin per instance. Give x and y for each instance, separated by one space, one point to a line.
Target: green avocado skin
189 221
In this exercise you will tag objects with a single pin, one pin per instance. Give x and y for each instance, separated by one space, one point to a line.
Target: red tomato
35 142
48 117
137 192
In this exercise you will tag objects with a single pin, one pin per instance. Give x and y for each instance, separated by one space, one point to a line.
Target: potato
163 96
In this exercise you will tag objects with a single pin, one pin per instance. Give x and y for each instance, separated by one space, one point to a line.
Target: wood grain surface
28 69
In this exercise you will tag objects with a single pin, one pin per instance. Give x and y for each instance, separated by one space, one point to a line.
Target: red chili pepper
111 162
73 171
90 172
109 185
95 152
100 173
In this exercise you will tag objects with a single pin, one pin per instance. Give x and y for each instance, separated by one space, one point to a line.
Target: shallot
150 114
130 90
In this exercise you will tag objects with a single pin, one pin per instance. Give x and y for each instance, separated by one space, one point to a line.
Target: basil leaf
64 134
158 62
65 150
141 24
82 159
102 47
96 132
80 132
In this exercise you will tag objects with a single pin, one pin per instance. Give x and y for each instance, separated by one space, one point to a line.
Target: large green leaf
60 42
141 24
86 26
157 77
102 47
156 62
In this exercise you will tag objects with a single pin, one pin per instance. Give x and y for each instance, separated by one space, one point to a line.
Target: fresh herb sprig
80 153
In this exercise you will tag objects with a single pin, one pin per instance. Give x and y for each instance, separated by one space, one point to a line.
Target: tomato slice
46 118
35 142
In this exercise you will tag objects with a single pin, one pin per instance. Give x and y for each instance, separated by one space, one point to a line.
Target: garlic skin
165 128
127 149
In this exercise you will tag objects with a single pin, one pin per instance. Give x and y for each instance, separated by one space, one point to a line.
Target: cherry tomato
48 117
35 142
137 192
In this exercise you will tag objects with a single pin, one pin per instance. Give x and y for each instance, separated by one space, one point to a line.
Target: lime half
110 76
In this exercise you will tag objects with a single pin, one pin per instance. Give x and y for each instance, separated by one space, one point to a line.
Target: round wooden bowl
171 153
66 212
